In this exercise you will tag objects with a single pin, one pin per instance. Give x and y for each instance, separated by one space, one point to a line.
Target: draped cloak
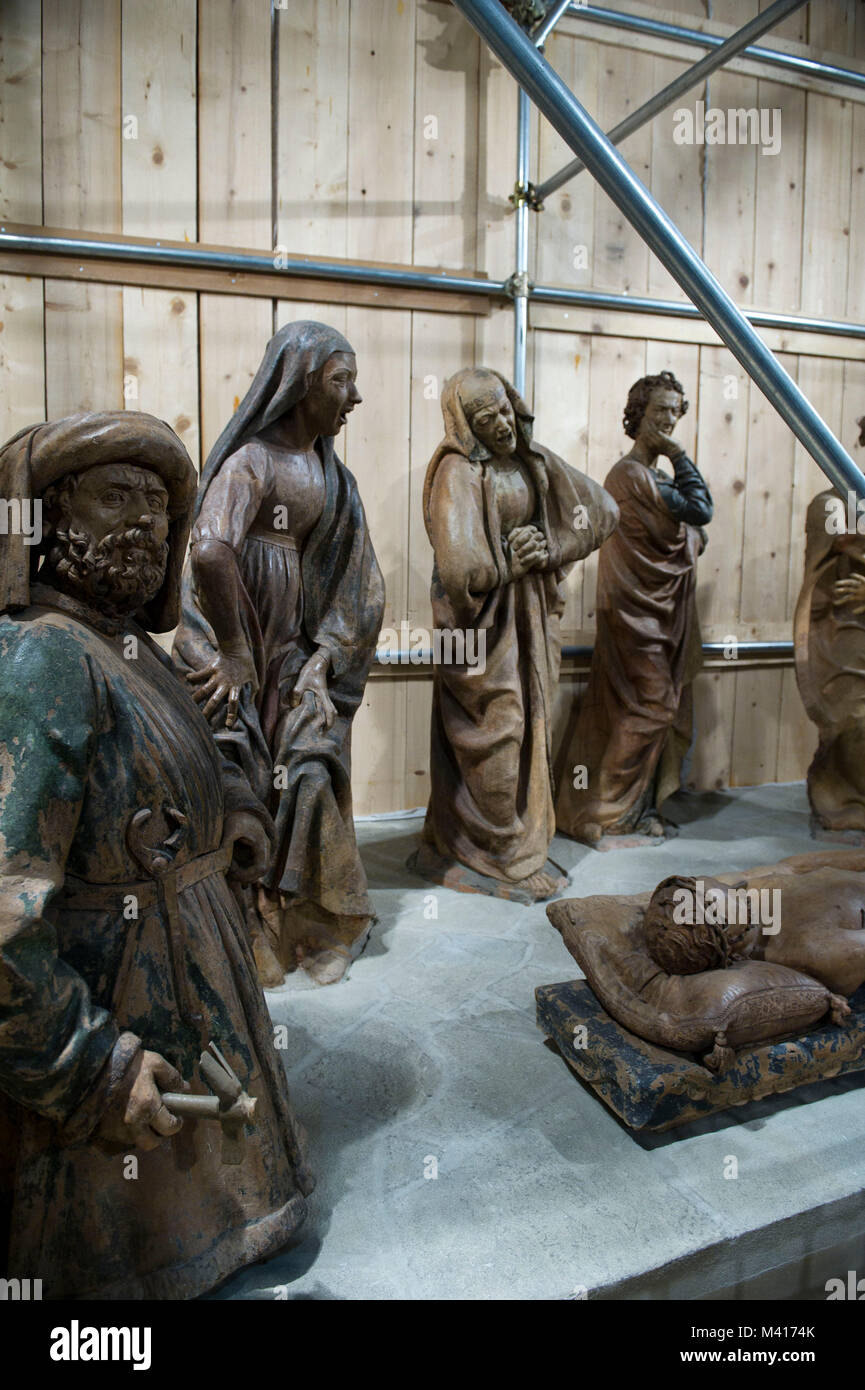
97 957
830 670
330 595
635 722
491 800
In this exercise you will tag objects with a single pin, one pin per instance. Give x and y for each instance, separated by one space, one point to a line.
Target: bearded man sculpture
624 755
507 519
282 603
122 950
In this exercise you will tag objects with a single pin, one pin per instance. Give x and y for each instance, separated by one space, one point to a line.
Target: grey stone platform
428 1059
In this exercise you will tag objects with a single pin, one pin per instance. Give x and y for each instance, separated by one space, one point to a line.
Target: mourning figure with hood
507 519
281 607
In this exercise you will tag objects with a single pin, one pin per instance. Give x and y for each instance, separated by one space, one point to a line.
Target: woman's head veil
291 356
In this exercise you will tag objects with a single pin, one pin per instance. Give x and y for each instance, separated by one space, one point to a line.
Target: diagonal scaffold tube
685 82
584 136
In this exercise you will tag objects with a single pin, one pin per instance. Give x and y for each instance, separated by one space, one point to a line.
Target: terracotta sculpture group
507 519
175 834
164 841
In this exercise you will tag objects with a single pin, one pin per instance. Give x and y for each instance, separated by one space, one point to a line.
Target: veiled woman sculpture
624 756
829 631
282 601
507 518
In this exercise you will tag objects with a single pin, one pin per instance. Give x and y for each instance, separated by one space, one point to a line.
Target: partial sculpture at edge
829 634
624 755
507 519
281 609
122 951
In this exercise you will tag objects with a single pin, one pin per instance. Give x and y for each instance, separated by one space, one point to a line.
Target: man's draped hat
42 455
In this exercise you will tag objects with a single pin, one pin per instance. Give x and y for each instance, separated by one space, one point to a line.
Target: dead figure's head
106 536
690 925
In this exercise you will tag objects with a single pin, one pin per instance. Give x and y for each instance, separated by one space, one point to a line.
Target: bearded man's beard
120 573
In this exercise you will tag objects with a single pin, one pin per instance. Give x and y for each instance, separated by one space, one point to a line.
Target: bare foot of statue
437 868
543 885
650 830
325 967
651 825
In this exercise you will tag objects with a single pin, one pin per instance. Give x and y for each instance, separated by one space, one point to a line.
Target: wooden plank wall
380 129
781 233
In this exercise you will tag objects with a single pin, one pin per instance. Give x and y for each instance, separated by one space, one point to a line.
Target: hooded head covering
460 439
41 455
292 354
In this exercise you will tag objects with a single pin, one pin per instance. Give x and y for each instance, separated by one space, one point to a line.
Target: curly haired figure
623 757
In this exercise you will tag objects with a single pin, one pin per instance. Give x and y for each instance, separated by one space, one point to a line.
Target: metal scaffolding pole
82 247
677 33
519 283
523 197
675 308
549 22
776 652
687 80
242 262
518 54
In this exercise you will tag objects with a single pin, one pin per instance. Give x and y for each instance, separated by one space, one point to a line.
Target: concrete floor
428 1059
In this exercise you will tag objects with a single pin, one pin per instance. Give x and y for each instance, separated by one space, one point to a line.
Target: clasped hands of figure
850 592
528 548
232 668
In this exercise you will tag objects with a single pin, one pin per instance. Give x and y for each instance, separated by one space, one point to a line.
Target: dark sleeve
686 498
60 1054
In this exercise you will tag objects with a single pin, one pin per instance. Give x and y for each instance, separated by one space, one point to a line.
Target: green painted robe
94 728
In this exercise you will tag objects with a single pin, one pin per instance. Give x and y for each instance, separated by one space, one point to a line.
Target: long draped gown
830 670
624 755
313 584
491 799
96 955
